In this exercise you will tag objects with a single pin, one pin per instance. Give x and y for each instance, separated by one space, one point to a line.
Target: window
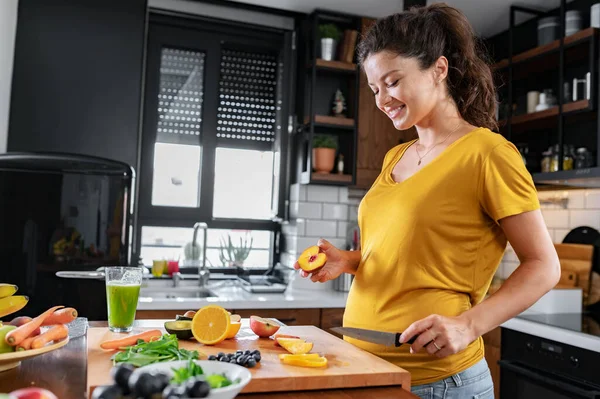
212 147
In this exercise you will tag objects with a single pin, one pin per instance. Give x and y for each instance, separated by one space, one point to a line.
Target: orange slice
210 325
234 328
294 360
295 346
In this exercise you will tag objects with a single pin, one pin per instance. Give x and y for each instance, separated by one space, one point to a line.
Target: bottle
340 164
567 157
554 158
546 161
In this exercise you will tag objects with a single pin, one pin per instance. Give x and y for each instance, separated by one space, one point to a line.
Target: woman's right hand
336 264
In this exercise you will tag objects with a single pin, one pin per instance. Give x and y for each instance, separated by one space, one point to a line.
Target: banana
12 304
7 289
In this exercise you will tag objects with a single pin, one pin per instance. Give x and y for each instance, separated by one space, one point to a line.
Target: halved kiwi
181 328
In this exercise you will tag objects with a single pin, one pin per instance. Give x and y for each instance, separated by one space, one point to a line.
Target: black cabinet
77 77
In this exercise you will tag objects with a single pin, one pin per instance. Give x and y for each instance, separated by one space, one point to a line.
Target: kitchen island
64 372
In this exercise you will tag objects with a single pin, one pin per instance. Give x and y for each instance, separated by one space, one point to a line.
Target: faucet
203 273
177 277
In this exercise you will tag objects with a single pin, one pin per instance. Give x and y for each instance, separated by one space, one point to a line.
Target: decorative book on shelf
347 46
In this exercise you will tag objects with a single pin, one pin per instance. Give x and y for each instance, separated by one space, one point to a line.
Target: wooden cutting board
348 366
576 266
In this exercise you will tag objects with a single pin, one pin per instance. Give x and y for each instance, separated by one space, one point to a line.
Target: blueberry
247 352
120 374
239 352
256 357
223 359
197 388
107 392
233 361
161 381
251 362
241 360
220 354
173 392
212 357
143 384
256 352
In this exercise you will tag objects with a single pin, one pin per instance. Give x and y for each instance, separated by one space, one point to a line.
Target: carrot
26 343
62 316
16 336
54 333
130 340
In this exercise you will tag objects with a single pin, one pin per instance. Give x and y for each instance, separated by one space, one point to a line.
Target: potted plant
329 35
231 255
323 153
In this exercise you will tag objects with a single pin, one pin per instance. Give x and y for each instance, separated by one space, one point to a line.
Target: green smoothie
122 302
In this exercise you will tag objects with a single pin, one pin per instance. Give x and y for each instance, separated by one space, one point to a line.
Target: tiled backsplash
329 211
563 211
318 211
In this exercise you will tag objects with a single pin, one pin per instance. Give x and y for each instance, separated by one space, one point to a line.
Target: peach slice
283 336
295 346
311 259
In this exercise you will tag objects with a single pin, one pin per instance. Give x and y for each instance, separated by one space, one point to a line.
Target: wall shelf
338 66
571 40
331 121
547 114
328 178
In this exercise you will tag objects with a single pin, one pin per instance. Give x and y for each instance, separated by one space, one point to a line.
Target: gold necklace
446 138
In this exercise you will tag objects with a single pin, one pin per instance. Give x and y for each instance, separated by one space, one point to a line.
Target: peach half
311 259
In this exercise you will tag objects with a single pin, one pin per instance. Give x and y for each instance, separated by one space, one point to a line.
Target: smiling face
407 94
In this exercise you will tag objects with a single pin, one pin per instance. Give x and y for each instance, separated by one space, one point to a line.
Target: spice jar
568 157
546 158
554 158
583 158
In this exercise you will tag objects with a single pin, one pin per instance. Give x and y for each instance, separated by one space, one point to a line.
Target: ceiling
488 17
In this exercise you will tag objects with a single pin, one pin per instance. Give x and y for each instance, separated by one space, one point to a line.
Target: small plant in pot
323 153
329 35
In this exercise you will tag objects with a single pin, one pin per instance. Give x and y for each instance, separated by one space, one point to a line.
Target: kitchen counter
64 371
576 329
234 297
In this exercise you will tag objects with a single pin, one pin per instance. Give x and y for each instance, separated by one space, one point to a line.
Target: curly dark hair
427 33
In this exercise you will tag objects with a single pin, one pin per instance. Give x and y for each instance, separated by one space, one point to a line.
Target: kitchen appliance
63 212
374 336
534 367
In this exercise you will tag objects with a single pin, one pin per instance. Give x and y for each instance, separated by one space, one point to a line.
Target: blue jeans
472 383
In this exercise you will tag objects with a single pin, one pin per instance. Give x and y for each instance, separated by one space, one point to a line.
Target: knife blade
374 336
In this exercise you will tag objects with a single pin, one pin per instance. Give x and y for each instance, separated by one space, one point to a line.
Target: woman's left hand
440 335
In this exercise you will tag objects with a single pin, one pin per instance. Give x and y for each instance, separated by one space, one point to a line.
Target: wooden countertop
64 373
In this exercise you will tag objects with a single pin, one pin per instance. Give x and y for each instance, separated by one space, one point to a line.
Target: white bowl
232 371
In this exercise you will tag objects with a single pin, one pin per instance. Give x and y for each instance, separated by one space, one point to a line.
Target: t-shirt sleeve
506 187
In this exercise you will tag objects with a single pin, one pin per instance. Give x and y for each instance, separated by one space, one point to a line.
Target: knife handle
410 341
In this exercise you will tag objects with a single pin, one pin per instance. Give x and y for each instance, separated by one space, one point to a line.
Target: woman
435 224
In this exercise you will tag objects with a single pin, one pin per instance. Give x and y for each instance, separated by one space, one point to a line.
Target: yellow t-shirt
431 244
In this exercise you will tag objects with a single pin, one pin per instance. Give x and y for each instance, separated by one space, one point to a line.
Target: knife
377 337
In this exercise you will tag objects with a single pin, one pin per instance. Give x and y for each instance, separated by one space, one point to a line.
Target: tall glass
122 291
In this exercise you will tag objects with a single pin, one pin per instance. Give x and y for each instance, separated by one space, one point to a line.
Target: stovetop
586 322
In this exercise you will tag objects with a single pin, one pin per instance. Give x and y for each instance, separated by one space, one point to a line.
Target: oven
534 367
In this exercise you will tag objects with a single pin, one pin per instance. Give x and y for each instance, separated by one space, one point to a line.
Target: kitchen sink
175 293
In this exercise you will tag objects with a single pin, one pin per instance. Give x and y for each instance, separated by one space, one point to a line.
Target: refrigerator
63 212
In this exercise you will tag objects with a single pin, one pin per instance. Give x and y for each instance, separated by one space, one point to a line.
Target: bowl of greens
183 379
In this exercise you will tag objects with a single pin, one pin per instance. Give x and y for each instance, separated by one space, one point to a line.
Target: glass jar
546 158
568 157
554 158
583 158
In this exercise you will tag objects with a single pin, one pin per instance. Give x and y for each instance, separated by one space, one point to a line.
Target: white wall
8 27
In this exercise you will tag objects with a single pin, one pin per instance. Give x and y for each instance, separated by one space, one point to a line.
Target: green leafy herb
164 349
184 373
